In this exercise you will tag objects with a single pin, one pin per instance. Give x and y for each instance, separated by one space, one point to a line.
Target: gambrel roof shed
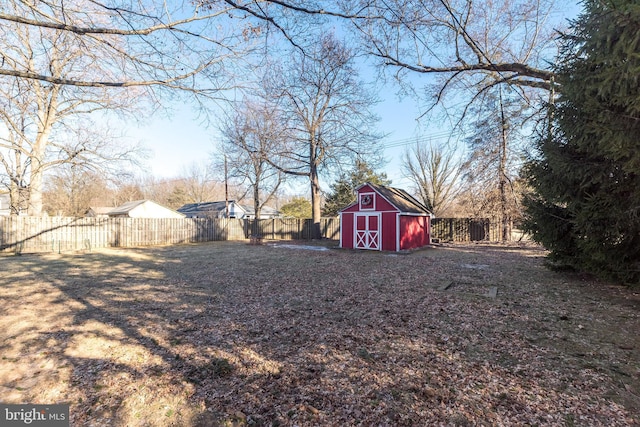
384 218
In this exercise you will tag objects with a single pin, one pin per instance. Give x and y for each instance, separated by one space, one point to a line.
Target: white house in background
143 209
219 209
4 204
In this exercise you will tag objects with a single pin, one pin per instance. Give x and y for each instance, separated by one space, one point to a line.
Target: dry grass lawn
233 334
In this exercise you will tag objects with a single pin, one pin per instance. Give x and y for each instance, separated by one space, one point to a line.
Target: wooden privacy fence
291 229
464 229
58 234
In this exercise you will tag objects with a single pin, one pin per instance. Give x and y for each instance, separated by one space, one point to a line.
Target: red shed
384 219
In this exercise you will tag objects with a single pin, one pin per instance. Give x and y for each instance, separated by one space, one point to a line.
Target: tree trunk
35 193
315 202
14 199
503 176
37 170
47 116
256 201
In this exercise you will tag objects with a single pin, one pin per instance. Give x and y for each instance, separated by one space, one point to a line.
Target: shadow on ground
229 333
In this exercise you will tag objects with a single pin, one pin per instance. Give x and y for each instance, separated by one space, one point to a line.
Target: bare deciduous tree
493 161
254 131
176 45
73 189
500 41
44 125
199 183
63 61
469 43
329 112
434 171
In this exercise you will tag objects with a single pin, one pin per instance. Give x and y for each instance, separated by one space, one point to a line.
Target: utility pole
226 188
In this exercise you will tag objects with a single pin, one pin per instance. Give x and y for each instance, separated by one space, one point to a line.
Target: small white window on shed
367 201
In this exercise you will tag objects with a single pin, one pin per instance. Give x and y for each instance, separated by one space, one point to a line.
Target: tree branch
542 78
104 30
82 83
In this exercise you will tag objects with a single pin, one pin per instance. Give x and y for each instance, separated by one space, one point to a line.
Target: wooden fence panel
291 228
58 234
330 228
464 229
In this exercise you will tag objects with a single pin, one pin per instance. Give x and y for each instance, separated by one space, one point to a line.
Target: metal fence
58 234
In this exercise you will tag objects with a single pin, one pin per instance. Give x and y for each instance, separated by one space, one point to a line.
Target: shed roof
399 198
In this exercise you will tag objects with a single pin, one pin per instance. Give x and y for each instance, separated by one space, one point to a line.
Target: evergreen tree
585 205
343 191
298 207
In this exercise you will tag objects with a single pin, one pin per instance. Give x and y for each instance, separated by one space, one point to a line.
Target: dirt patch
235 334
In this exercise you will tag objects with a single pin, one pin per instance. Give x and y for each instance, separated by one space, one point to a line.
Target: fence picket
53 234
31 234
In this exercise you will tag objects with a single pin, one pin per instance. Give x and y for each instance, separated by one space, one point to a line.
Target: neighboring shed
384 218
144 209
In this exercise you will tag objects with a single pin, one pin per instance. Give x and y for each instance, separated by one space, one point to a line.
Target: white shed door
367 231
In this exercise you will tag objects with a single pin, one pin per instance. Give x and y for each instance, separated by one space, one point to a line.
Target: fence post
63 234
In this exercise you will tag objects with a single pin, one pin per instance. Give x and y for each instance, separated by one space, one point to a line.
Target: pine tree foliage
343 191
298 207
585 207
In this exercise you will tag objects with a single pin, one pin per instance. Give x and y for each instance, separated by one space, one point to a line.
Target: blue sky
180 139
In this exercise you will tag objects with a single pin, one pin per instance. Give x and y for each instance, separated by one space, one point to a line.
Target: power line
419 139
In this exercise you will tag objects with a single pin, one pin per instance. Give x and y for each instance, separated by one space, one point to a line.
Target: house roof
204 207
148 209
101 210
216 207
402 200
265 210
125 208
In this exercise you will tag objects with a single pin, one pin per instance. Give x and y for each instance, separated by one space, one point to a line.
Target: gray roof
213 208
102 210
125 208
402 200
204 208
265 210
